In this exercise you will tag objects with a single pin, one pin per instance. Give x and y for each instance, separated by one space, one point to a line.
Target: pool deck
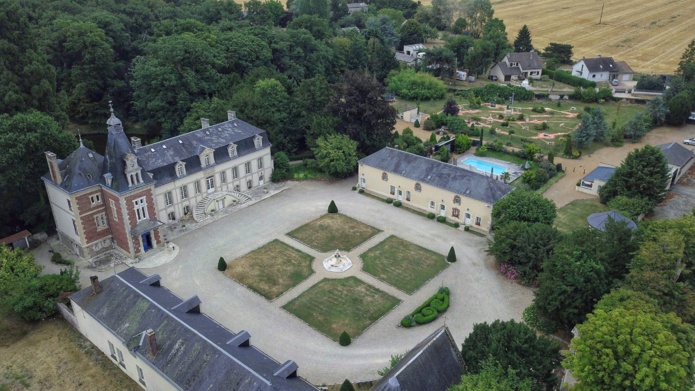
514 170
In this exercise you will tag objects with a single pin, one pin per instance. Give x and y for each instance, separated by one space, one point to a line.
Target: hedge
397 203
498 93
429 310
430 215
564 77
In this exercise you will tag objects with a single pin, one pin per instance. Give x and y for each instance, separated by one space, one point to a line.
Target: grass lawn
333 231
302 172
271 269
402 264
336 305
573 215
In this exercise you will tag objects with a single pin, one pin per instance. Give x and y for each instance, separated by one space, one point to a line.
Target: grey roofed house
442 175
598 220
80 170
161 158
408 59
357 7
601 173
526 60
676 154
600 64
192 350
435 364
623 68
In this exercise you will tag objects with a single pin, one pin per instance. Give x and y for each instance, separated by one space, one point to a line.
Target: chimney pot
53 168
205 123
152 342
135 142
231 115
96 286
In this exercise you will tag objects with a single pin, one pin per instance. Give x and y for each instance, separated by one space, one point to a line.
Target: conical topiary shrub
347 386
332 208
417 123
221 265
452 255
344 339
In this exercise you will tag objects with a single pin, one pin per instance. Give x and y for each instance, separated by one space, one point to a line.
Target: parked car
492 77
615 82
689 141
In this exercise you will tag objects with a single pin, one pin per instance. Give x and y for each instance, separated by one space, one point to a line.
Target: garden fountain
337 262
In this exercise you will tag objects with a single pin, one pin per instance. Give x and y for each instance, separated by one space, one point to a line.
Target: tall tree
593 128
24 138
522 205
522 43
478 13
441 62
319 8
362 113
561 51
460 46
411 32
628 349
679 108
687 59
493 377
381 59
336 154
442 14
84 58
515 347
480 57
382 28
27 80
658 110
644 173
495 32
525 246
318 27
176 71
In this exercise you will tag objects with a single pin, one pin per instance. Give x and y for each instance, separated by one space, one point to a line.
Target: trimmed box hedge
429 310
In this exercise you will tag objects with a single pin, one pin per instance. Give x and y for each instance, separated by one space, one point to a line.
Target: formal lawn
336 305
573 215
333 231
271 269
402 264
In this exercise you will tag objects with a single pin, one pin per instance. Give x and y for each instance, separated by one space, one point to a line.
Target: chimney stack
53 168
152 342
204 123
231 115
96 286
135 142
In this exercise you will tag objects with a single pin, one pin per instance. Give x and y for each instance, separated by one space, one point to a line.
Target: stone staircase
199 214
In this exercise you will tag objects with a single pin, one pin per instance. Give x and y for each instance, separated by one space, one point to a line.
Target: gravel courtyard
478 292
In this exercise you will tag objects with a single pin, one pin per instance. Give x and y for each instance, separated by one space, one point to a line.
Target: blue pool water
485 166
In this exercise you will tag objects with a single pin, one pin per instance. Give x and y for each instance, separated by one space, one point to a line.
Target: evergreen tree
451 257
347 386
643 174
451 107
332 208
522 43
344 339
221 265
417 123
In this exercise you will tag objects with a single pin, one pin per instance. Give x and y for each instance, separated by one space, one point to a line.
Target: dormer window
232 150
207 160
207 157
258 141
180 169
107 178
132 170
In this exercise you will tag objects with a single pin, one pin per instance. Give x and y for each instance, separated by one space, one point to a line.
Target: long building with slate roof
432 186
166 343
122 199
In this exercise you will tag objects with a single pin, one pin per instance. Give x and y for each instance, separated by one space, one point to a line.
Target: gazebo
598 220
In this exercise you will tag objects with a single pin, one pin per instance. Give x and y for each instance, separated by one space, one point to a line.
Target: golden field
650 35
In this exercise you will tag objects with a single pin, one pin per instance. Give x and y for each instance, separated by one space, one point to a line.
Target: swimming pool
484 166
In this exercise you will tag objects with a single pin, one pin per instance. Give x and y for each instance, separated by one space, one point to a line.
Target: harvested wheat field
649 35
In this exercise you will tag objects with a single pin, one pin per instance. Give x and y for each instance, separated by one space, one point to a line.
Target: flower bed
429 310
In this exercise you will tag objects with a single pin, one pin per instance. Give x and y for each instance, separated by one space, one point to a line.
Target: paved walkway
479 293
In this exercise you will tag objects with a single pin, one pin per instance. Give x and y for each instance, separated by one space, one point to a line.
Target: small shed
408 113
599 220
18 240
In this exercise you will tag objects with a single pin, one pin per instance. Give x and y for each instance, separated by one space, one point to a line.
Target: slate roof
623 67
352 7
599 220
600 64
507 70
600 173
526 60
435 364
160 158
117 147
79 171
193 349
438 174
405 58
676 154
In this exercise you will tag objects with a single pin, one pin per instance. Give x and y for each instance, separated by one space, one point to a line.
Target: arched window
384 176
418 187
457 200
455 212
